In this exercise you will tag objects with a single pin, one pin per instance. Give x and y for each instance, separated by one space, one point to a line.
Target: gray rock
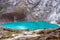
45 10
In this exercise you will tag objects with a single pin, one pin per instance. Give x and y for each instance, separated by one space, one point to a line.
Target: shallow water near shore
29 25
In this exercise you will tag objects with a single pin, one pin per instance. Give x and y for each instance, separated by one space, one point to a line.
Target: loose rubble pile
46 34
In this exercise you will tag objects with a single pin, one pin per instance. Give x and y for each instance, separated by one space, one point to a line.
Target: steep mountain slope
36 10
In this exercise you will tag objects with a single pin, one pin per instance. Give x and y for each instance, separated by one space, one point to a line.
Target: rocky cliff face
46 10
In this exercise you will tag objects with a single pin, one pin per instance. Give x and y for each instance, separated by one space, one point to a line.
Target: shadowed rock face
16 14
8 16
53 38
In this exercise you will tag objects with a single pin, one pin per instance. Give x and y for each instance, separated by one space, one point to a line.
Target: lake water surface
29 25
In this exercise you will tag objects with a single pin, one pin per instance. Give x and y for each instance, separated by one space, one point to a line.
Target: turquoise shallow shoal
29 25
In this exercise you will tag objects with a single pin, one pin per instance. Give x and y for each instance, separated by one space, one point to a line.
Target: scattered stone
29 35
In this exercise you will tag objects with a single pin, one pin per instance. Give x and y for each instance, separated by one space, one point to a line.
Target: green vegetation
9 35
1 8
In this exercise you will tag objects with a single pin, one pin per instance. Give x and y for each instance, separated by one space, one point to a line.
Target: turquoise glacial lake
29 25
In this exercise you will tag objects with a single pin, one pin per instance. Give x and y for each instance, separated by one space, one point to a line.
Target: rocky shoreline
8 34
